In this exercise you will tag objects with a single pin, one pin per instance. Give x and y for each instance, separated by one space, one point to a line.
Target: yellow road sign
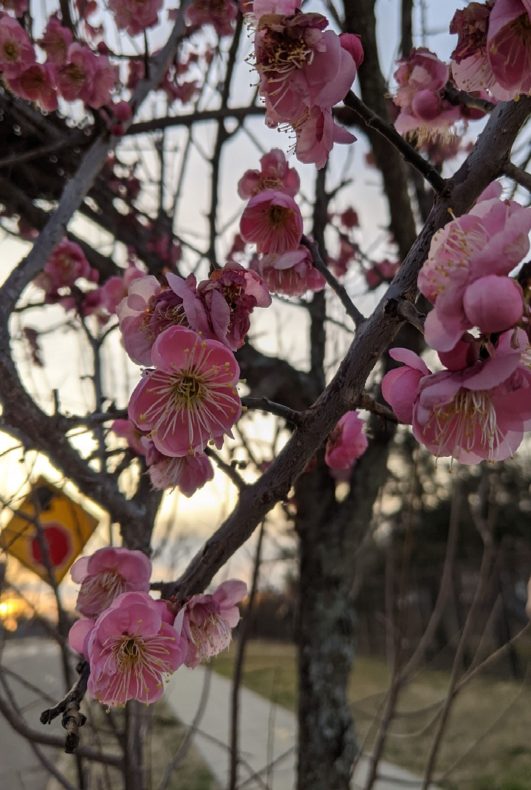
48 531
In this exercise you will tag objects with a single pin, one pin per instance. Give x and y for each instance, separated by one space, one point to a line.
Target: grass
487 745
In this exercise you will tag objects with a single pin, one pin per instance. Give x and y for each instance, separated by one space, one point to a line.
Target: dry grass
488 737
167 733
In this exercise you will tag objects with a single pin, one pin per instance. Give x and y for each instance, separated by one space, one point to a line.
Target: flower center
188 389
10 50
129 651
468 423
278 215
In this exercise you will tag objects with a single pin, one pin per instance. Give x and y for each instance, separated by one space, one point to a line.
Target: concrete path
267 735
36 660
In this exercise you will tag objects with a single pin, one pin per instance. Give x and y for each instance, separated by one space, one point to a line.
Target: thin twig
336 286
411 156
264 404
517 174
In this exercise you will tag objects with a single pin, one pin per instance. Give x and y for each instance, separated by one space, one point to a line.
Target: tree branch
373 121
373 337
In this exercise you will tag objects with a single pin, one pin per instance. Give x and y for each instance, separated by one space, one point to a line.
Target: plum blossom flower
16 50
478 412
221 14
346 443
131 649
106 574
135 16
230 294
127 430
274 173
36 84
273 221
509 45
291 273
188 473
55 42
150 307
469 258
116 288
380 272
66 264
304 70
316 134
206 621
421 79
190 398
493 50
86 76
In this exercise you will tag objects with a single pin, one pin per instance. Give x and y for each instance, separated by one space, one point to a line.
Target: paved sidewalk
267 735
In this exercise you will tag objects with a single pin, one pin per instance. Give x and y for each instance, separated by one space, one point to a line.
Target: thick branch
373 337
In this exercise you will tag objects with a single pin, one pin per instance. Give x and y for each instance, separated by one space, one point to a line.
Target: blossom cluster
186 333
479 406
69 70
304 69
425 110
133 642
272 221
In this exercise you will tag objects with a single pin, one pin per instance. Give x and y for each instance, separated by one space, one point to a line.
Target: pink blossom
273 221
421 79
106 574
126 430
221 14
509 45
274 174
488 241
380 272
471 67
230 295
291 273
56 41
135 16
206 621
316 134
340 264
304 70
36 84
349 218
76 76
188 473
150 307
190 398
300 66
352 43
475 413
98 93
116 288
65 265
16 50
131 649
347 442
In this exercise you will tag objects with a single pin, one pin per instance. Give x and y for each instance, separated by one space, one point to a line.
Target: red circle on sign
57 540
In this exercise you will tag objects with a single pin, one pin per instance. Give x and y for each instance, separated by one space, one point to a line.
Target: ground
487 744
